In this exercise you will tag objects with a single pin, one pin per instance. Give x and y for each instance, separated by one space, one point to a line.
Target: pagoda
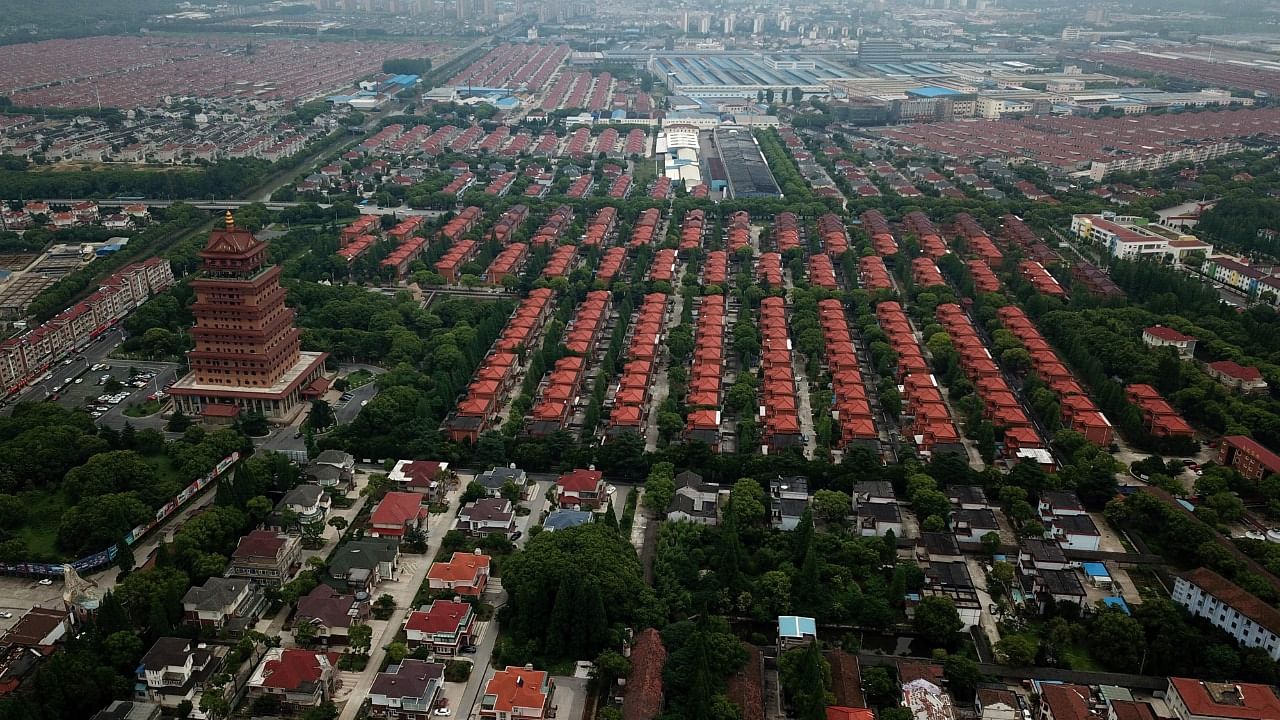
247 355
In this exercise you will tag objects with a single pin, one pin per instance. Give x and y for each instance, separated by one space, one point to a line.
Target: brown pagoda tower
247 353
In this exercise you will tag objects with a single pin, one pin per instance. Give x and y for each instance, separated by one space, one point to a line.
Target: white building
1239 613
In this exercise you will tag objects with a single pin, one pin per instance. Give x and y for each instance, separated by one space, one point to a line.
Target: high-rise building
757 25
247 355
1095 16
464 9
729 21
490 9
704 24
684 22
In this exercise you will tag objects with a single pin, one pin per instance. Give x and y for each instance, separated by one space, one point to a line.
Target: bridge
237 204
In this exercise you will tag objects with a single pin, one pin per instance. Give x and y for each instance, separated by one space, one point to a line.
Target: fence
106 557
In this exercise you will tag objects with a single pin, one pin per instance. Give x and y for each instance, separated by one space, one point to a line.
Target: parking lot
140 381
18 595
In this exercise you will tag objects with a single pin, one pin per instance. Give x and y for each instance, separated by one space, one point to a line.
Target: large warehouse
749 174
745 75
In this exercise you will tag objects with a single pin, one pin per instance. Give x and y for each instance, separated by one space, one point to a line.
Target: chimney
519 681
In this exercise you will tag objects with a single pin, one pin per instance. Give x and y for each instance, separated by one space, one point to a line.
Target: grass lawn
44 514
358 378
143 409
1077 658
164 465
645 171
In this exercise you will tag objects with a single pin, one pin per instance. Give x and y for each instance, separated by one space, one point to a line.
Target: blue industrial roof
1117 602
1186 505
403 80
1095 569
793 626
932 92
507 103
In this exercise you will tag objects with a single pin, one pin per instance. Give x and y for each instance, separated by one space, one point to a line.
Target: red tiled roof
444 616
836 712
296 667
1245 602
397 509
1068 702
1266 458
1167 334
580 480
517 687
259 544
461 567
1256 702
1232 369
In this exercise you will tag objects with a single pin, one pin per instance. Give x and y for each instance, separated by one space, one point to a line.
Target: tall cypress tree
802 536
158 622
111 617
561 629
811 697
593 622
729 562
701 684
807 587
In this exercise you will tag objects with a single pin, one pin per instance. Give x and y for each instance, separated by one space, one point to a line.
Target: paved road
412 572
93 354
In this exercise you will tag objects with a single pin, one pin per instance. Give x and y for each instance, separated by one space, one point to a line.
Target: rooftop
793 626
1166 334
1244 602
1236 701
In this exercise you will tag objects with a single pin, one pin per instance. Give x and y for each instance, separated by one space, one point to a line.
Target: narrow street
661 384
413 570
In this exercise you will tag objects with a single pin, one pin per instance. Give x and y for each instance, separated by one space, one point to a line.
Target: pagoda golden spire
231 220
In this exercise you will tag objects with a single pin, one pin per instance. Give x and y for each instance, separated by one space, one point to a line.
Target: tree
1002 574
896 713
610 666
304 633
258 507
214 703
747 503
122 650
880 688
806 676
991 543
338 522
832 505
962 674
124 558
592 570
360 637
396 651
473 492
660 487
321 415
1229 507
931 502
178 422
1018 650
937 620
1116 639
